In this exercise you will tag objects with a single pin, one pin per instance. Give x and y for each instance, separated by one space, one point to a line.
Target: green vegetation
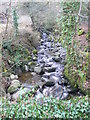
14 55
34 51
45 108
77 62
80 32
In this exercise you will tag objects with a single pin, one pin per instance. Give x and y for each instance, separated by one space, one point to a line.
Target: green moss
71 76
27 51
80 32
31 63
29 57
34 51
34 58
66 71
74 80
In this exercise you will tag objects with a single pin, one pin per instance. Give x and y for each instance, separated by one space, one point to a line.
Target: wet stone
38 69
41 51
65 96
56 50
44 79
47 75
57 91
54 78
46 92
58 44
50 69
63 81
48 84
42 41
49 64
56 58
50 60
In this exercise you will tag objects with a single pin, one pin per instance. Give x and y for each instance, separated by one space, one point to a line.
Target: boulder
15 84
55 78
24 24
12 76
57 91
48 84
26 35
49 64
50 69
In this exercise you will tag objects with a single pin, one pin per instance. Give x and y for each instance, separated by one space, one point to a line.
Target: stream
47 74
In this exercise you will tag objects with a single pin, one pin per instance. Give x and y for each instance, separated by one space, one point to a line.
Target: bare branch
80 11
8 16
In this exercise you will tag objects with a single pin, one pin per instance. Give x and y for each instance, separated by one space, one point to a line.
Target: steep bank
74 32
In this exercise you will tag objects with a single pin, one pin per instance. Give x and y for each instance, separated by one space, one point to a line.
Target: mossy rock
80 32
13 87
29 57
31 63
34 58
56 41
34 51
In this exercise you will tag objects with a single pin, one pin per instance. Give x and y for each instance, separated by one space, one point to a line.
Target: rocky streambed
50 64
46 76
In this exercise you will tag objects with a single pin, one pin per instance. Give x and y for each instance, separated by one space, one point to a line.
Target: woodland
44 59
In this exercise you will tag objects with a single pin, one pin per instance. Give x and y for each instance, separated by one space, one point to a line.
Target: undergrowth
29 107
14 57
77 60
